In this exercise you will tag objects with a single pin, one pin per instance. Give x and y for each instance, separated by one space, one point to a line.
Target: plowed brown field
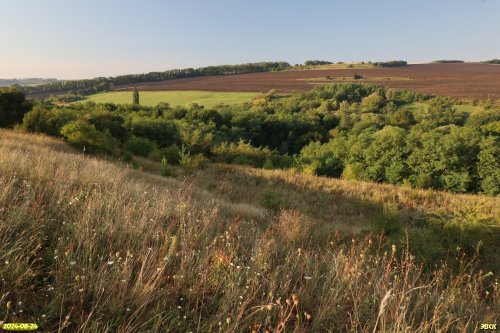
463 81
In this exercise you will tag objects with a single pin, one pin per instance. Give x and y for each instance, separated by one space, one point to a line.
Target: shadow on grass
435 236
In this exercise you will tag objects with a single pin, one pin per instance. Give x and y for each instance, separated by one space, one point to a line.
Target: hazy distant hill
25 82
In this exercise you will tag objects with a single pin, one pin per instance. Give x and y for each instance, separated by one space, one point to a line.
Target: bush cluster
356 131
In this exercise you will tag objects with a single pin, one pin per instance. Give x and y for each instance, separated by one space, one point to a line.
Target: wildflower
295 299
72 263
308 277
128 309
111 262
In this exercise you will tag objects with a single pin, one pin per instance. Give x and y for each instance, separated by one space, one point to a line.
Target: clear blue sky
88 38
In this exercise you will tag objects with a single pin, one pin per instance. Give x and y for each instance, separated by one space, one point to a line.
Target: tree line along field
460 80
174 98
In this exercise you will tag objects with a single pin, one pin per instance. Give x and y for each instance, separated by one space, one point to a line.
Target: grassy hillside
90 245
174 98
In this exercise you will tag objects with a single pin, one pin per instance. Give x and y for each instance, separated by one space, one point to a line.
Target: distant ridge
25 82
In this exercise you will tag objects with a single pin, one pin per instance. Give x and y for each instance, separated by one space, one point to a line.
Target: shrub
13 106
320 159
242 153
191 162
85 136
456 181
172 154
106 121
389 222
44 119
161 131
165 169
273 200
401 117
127 157
268 164
487 167
355 171
140 146
372 103
423 180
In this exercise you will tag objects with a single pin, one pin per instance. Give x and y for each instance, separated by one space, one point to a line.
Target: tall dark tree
13 106
136 96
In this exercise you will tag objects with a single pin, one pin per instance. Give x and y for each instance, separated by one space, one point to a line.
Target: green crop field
184 98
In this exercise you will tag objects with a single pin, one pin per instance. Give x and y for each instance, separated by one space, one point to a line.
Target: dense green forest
353 131
92 86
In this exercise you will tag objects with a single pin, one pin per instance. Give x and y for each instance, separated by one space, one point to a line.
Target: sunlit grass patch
174 98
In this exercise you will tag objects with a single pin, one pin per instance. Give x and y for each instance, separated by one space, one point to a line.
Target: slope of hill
90 245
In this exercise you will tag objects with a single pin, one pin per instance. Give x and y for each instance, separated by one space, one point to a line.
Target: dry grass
348 205
91 246
427 200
